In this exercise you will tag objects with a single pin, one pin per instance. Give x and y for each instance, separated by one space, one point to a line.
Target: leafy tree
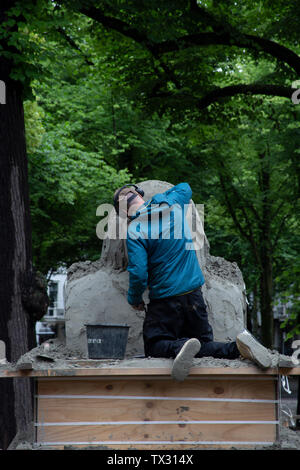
18 284
155 56
174 41
67 185
119 90
86 136
258 187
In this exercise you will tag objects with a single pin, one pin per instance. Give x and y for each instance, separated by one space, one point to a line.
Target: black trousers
171 321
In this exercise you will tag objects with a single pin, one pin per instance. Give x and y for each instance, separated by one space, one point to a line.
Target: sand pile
51 354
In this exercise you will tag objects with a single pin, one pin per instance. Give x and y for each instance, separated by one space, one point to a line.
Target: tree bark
266 292
16 328
266 271
254 310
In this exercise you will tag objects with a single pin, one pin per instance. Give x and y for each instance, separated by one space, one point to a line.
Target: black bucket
107 341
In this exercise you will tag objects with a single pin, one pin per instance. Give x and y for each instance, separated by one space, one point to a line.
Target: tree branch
73 44
226 34
237 39
252 89
218 94
280 227
117 25
133 33
276 210
223 35
247 235
240 197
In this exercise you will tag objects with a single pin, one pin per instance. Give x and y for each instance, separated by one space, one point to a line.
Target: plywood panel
145 410
161 434
212 388
52 410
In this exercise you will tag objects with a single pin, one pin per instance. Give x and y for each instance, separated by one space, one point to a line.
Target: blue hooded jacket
157 241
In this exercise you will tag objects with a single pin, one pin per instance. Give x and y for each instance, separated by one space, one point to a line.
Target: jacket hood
145 208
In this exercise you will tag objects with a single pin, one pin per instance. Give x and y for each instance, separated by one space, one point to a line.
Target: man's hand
140 306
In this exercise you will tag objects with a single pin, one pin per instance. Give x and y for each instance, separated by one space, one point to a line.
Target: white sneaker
250 348
287 361
184 359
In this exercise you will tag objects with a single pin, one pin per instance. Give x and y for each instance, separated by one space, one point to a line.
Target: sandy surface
53 354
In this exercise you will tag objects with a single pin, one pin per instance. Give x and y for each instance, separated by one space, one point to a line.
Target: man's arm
181 194
138 270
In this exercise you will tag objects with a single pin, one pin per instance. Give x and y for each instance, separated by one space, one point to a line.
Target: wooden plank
155 447
78 410
162 433
214 388
145 372
157 401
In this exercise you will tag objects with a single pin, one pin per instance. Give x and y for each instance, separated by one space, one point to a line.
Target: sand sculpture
96 292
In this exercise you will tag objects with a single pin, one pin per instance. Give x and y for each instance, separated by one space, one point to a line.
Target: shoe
251 349
287 361
184 359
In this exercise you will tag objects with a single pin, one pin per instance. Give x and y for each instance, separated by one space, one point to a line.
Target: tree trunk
16 328
254 311
266 307
265 247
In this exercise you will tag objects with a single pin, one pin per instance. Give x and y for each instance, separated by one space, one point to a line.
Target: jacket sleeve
138 269
181 194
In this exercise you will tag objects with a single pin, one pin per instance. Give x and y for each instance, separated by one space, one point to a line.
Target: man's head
127 201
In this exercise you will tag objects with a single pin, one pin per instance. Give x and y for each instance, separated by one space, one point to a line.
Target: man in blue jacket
160 256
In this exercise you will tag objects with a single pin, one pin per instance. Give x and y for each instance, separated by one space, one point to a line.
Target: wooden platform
114 406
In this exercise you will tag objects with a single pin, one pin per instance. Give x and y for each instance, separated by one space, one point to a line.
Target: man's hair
123 195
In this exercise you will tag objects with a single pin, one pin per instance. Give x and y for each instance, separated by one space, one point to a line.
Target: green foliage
85 138
34 126
289 294
67 183
109 108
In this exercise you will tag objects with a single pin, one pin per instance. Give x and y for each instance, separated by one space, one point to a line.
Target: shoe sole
287 362
252 349
184 359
